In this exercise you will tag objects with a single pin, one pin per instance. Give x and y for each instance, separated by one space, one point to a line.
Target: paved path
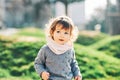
8 31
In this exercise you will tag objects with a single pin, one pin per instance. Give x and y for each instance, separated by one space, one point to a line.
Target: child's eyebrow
58 29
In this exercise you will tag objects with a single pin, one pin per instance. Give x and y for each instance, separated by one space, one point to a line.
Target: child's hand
45 75
78 78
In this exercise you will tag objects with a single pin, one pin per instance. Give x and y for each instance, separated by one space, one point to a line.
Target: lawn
97 60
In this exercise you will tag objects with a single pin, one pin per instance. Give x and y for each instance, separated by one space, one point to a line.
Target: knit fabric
61 67
57 48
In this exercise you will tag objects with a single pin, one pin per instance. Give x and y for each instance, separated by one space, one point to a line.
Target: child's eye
58 31
66 32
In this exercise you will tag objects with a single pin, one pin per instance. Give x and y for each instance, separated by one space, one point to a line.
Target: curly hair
66 23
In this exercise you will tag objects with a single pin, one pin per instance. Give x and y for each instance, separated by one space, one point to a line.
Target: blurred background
22 24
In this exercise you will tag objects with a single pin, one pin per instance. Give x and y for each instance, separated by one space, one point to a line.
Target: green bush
18 56
110 46
95 64
4 73
88 39
35 32
17 59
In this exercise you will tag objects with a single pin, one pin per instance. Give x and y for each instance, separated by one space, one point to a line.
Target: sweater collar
58 48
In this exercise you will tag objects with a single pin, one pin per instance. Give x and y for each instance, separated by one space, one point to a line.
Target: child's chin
61 43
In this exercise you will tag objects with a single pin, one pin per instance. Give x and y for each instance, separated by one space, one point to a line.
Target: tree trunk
118 6
66 9
116 20
113 20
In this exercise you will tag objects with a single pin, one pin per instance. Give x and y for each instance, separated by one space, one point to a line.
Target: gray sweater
61 67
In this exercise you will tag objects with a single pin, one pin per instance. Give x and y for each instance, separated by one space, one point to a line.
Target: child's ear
51 33
71 37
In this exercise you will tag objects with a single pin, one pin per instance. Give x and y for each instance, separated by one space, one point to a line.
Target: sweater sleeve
74 66
39 63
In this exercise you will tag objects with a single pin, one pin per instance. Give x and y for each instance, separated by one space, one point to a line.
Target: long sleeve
75 67
39 63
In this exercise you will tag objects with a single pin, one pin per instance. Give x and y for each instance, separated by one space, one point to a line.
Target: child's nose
62 35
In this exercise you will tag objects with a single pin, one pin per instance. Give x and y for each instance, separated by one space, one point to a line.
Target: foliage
105 18
110 46
66 3
94 64
17 59
88 38
4 73
35 32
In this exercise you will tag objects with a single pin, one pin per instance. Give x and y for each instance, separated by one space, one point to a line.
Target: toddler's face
60 35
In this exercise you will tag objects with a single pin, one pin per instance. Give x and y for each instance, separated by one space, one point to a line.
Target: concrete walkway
8 31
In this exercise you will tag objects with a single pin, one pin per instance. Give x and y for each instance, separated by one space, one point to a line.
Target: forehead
61 27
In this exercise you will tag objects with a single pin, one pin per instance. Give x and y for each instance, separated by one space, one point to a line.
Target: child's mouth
61 39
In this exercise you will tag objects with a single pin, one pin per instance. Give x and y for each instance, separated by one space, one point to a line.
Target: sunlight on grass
29 35
34 32
16 78
104 41
21 48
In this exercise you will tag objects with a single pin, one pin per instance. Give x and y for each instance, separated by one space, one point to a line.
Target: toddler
56 59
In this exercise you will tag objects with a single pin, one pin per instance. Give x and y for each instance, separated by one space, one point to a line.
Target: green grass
29 35
17 56
109 46
95 64
34 32
16 78
105 41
